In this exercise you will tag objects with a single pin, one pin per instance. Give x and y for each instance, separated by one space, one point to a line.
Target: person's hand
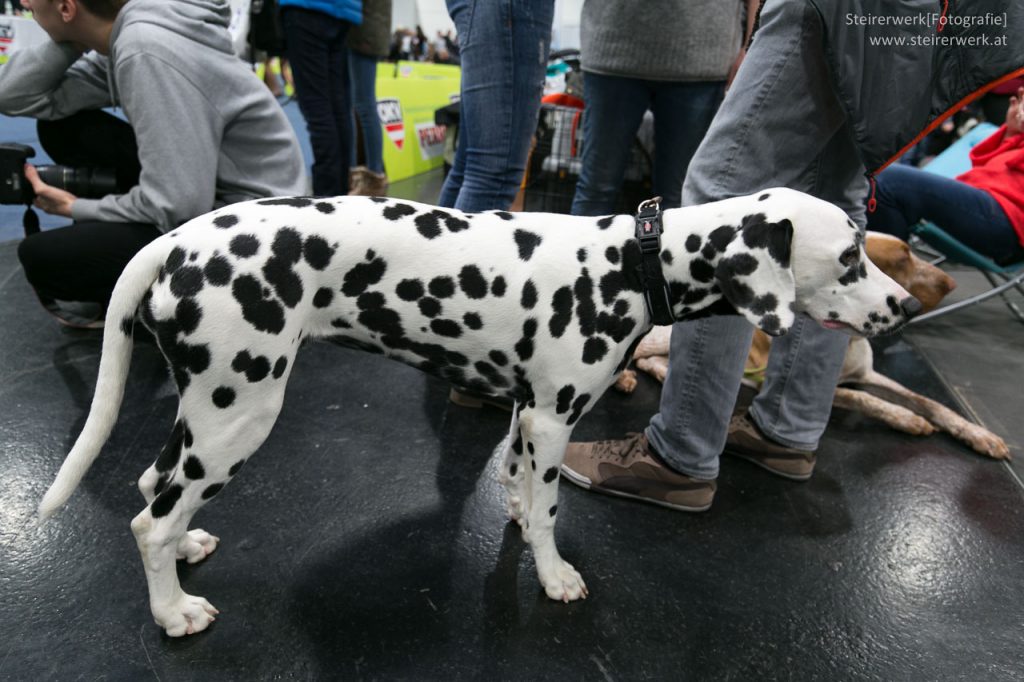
52 200
1015 113
735 67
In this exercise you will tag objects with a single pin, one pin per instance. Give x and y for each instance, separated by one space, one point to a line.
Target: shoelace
618 448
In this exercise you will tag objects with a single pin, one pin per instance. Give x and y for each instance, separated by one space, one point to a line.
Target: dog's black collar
648 236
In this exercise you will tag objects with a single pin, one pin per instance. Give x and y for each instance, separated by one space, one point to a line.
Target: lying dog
876 395
545 309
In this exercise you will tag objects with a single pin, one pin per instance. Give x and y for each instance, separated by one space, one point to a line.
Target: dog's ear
755 276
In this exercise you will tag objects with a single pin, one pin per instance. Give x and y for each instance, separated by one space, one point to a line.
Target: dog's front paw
564 583
186 616
626 383
196 545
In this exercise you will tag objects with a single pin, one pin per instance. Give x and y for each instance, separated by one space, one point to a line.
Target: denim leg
614 109
363 75
907 195
779 125
319 62
704 375
682 114
504 48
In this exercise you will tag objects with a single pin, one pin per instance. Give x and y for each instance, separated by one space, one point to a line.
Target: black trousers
82 262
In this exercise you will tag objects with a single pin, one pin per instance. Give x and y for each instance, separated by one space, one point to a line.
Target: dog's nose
910 306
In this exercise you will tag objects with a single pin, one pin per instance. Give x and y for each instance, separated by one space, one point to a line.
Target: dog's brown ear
755 275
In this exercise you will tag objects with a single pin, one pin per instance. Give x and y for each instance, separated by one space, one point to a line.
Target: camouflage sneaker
746 440
629 468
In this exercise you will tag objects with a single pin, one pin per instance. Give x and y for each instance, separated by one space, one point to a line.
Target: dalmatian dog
544 309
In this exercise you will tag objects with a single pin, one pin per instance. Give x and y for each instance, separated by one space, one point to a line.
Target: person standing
368 43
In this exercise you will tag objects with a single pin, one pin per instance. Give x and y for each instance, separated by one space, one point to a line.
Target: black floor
368 540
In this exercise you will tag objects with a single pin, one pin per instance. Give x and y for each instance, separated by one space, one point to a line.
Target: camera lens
90 183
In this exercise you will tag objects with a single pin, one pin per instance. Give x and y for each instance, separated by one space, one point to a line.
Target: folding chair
950 163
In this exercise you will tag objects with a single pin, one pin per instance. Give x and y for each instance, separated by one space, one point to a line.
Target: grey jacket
209 132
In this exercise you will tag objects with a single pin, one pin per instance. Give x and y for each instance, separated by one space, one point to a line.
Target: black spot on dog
223 397
264 315
586 310
693 243
606 222
255 369
175 259
325 207
244 245
553 510
449 328
743 264
561 304
362 275
577 408
498 358
442 287
323 297
611 254
472 320
493 377
409 289
564 398
517 444
894 305
594 350
472 282
504 215
551 474
581 255
379 200
127 325
513 468
764 304
430 307
763 196
621 307
187 281
218 271
528 298
340 323
771 325
720 237
165 501
225 221
428 224
702 271
212 490
279 367
527 242
193 468
618 328
776 237
235 468
287 250
188 314
294 202
498 287
666 257
317 251
171 451
524 347
397 211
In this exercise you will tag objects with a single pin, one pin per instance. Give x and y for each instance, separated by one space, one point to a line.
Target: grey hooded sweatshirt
209 132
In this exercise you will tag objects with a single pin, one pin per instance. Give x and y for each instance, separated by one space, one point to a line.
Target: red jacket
998 168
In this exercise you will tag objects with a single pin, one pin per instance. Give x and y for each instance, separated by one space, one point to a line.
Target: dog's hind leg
544 439
196 544
212 451
513 474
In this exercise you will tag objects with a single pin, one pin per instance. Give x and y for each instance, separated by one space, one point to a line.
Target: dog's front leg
513 472
544 438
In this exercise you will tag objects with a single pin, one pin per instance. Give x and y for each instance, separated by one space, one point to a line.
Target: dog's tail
135 281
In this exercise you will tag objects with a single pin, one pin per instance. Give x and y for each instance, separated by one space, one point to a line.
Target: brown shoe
746 440
465 398
364 182
629 468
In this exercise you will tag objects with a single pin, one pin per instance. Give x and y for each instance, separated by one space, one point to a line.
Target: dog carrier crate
555 161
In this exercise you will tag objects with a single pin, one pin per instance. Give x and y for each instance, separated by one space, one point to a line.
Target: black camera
89 183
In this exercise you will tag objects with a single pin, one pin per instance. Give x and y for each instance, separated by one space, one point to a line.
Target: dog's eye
850 257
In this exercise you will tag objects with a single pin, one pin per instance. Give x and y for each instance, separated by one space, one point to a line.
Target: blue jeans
504 49
780 125
362 71
907 195
614 109
319 61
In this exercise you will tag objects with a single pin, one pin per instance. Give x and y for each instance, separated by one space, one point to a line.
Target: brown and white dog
861 388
